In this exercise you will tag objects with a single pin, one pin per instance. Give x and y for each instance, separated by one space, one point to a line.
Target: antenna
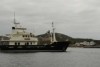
52 24
15 23
14 18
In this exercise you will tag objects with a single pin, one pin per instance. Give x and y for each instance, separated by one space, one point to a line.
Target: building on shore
85 43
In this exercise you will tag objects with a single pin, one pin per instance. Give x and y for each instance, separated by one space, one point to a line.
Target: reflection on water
74 57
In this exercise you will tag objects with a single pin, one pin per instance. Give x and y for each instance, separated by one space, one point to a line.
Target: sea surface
74 57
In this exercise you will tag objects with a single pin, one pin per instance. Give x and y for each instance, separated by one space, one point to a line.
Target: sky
75 18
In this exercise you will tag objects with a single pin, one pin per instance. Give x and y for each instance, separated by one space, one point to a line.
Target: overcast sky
76 18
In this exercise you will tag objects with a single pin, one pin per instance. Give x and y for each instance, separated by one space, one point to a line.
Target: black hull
54 47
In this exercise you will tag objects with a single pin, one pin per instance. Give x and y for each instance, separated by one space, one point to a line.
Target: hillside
43 38
59 36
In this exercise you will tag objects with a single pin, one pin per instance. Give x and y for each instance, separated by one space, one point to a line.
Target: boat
22 41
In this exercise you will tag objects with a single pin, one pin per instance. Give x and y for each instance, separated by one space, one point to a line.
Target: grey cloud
77 18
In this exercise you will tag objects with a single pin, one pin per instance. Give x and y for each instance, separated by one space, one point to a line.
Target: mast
53 33
14 18
15 23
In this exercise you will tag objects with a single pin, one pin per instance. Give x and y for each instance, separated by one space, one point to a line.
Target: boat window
31 43
27 43
28 36
32 35
15 43
23 36
18 43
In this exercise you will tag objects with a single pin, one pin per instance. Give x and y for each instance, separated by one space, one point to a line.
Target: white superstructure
19 36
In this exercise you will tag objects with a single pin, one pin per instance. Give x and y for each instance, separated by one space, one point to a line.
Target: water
74 57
